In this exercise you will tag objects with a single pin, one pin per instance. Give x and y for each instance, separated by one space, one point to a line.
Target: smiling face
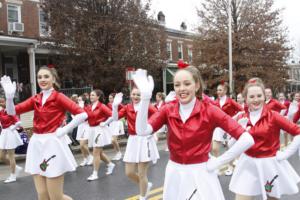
221 91
45 79
281 97
135 96
185 86
93 97
110 98
297 96
255 98
240 98
268 93
2 103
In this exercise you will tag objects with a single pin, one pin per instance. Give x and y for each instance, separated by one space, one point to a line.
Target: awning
16 41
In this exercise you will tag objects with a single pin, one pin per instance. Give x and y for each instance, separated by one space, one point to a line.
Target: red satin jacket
50 116
190 142
275 105
231 107
98 115
7 120
266 133
128 112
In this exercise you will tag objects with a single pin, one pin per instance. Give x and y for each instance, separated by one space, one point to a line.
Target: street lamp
230 49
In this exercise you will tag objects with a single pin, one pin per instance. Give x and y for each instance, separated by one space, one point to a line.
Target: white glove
243 122
15 126
108 121
290 150
78 119
8 87
170 97
118 99
212 165
242 144
61 131
144 84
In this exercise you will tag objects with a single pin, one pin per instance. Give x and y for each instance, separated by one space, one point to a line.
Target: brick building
22 24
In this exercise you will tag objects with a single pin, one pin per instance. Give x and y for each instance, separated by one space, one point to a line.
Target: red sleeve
152 110
280 106
224 121
106 110
297 115
25 106
158 119
123 112
237 106
16 119
285 124
68 104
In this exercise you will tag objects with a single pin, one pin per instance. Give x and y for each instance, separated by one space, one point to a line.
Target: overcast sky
177 11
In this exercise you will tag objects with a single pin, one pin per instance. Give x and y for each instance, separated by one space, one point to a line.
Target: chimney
161 18
183 26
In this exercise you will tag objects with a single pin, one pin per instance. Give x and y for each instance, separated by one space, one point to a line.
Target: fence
69 91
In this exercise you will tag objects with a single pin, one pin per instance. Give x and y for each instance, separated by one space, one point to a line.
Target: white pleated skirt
191 182
101 136
117 128
10 139
264 176
82 131
49 156
218 135
141 149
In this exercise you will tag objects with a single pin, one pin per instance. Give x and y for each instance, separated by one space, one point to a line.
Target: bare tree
259 42
100 38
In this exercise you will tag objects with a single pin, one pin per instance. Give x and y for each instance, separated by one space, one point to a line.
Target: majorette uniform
139 148
275 105
190 131
9 137
230 107
258 172
98 136
293 108
286 103
296 116
116 127
83 128
47 154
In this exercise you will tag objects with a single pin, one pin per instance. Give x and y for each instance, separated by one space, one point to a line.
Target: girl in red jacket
48 156
99 116
264 170
117 128
140 150
230 107
191 121
9 141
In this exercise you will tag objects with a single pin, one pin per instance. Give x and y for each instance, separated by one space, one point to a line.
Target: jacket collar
38 98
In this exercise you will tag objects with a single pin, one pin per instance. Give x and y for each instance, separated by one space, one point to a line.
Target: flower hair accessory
181 64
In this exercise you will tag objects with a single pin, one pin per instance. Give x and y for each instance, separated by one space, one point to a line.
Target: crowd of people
197 126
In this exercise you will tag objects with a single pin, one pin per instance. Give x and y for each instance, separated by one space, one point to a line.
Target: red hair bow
252 81
50 66
222 82
181 64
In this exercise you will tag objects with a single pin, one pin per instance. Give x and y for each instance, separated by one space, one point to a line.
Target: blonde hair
253 82
54 73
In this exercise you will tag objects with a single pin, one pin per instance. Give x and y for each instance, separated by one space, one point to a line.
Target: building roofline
17 41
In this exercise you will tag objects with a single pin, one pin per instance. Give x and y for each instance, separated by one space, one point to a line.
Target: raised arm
9 89
145 85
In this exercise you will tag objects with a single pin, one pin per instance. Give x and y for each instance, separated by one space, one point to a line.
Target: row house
22 24
179 46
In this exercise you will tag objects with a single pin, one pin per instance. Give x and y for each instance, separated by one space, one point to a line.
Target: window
44 29
190 54
180 55
13 13
169 50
